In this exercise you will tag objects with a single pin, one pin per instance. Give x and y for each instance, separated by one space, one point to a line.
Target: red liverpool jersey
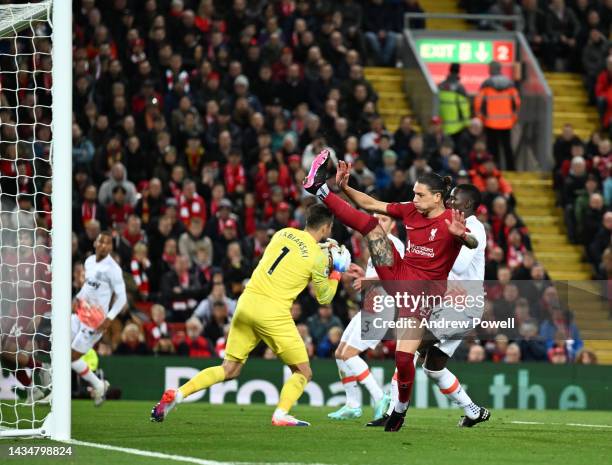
431 249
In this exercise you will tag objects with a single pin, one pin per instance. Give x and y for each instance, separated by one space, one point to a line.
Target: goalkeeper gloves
341 258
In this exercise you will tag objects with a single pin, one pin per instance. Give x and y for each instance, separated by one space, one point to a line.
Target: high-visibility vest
454 109
497 103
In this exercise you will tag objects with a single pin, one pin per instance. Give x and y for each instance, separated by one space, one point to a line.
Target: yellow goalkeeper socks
292 390
202 380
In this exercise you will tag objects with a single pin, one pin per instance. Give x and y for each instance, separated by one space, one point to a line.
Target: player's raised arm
458 228
359 198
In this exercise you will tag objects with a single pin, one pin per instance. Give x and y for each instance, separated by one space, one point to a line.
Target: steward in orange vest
497 104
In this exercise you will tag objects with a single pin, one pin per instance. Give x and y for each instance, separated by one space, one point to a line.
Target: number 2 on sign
284 251
503 51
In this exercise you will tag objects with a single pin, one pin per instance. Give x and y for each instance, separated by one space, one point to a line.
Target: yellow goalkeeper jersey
291 260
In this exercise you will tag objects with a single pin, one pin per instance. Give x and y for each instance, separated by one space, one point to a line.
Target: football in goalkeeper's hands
340 258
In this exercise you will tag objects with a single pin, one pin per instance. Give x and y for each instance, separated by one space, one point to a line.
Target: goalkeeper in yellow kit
292 259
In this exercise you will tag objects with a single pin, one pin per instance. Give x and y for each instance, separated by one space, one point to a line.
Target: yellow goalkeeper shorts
259 319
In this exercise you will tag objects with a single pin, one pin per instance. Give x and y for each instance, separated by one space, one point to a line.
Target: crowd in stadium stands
584 185
194 124
564 34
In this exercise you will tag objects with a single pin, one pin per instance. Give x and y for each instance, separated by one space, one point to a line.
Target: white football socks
359 368
349 383
323 191
449 386
82 369
394 394
401 407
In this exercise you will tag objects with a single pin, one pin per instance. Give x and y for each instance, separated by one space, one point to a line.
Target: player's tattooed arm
380 250
469 241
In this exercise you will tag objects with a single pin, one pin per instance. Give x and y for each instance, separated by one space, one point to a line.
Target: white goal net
27 131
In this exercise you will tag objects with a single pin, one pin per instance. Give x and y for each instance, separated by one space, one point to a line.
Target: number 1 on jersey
284 251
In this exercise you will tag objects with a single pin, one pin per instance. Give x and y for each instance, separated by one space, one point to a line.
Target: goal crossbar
15 18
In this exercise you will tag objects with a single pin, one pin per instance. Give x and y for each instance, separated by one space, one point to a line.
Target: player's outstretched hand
457 226
90 315
342 174
357 273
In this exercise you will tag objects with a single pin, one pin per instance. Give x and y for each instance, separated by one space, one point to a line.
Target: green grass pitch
233 433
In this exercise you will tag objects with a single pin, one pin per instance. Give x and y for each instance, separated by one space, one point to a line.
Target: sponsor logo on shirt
94 284
422 250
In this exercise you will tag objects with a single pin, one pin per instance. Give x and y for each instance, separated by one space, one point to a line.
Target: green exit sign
465 51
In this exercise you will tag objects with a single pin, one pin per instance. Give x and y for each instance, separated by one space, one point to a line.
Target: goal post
35 147
61 250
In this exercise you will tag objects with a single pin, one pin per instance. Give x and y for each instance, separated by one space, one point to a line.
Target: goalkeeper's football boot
467 422
395 421
287 420
318 173
99 395
164 406
345 413
382 421
382 406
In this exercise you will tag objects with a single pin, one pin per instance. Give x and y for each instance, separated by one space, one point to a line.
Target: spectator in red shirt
234 175
194 344
118 211
486 170
249 214
157 328
175 184
89 209
273 202
516 249
603 93
498 349
191 204
194 153
181 289
282 217
139 266
133 232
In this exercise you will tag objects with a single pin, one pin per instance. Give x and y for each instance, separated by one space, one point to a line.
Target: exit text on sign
465 51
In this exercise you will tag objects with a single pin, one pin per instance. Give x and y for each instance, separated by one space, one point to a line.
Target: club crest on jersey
432 234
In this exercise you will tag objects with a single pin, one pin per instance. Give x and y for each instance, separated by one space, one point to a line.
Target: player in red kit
435 236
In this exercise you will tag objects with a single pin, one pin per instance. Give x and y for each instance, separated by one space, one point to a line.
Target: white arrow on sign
481 54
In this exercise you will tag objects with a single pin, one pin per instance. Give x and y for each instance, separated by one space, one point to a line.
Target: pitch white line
584 425
588 426
161 455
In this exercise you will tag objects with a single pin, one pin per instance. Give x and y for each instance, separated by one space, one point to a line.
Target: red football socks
404 362
349 215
